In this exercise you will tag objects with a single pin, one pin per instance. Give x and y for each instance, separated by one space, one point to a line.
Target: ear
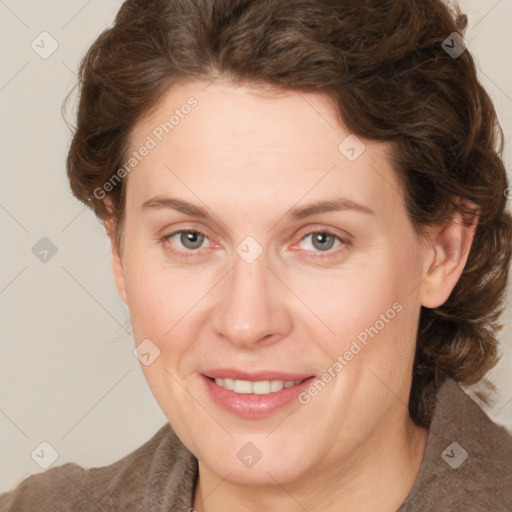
117 264
446 255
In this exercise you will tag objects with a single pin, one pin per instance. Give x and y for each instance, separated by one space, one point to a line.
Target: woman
308 224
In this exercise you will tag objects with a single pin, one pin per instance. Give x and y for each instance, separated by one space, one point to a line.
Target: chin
259 475
250 466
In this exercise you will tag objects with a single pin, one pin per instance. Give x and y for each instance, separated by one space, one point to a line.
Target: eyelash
317 255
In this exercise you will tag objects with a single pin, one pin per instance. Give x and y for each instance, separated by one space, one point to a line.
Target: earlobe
445 260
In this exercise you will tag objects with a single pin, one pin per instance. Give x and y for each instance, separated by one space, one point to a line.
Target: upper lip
233 373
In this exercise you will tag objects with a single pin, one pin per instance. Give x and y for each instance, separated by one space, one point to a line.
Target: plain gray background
68 374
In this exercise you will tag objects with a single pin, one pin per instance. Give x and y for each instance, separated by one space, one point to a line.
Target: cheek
379 336
368 310
163 318
351 299
167 307
150 307
159 296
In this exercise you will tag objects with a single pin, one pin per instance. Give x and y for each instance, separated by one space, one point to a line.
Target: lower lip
250 405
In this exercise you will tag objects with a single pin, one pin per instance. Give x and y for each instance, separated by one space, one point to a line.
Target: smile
266 393
262 387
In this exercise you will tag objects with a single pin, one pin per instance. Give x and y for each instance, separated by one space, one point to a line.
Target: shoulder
138 481
467 463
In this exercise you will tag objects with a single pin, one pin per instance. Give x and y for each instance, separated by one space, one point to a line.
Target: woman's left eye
322 241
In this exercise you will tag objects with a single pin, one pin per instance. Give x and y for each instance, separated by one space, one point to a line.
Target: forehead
242 117
247 139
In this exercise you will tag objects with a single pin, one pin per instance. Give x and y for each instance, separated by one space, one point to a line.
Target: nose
252 309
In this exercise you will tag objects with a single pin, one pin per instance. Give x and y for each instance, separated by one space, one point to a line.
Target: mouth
260 387
254 395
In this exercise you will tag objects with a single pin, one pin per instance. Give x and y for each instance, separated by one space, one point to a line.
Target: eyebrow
298 213
170 203
328 206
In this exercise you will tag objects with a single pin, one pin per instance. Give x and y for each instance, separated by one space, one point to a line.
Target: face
266 247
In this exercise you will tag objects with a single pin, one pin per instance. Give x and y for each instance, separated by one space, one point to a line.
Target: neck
377 477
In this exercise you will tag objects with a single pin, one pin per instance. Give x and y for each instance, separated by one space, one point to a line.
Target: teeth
262 387
242 386
228 384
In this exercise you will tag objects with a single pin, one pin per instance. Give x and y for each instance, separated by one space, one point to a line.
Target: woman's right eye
186 240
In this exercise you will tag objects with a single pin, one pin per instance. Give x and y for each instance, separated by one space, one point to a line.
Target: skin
248 158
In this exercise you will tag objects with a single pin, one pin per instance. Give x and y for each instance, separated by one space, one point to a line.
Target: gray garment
473 475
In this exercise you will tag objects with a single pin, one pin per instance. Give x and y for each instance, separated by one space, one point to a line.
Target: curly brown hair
384 64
